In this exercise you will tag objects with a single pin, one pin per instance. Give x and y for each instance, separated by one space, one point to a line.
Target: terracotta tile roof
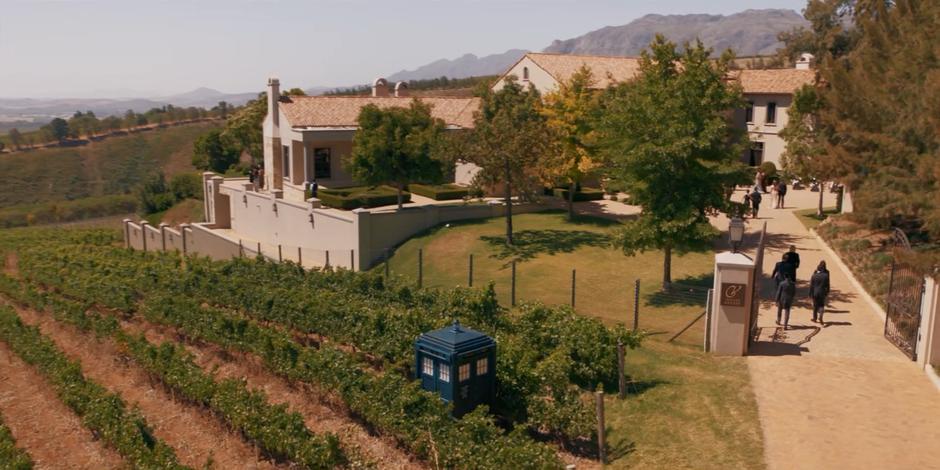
343 111
563 66
774 81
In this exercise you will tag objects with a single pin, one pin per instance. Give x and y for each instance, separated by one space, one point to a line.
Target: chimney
805 62
401 90
380 88
274 95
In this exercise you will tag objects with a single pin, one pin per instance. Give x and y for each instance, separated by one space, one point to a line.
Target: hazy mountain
207 97
751 32
748 33
467 65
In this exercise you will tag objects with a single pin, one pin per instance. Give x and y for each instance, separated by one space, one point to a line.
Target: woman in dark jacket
819 290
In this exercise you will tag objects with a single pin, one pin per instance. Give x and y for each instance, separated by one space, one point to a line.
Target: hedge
585 194
440 192
361 196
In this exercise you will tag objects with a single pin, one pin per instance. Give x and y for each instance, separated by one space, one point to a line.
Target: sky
149 48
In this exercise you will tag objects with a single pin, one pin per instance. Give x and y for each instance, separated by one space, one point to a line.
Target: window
525 73
427 366
444 373
757 153
482 366
286 167
321 163
771 113
463 373
749 112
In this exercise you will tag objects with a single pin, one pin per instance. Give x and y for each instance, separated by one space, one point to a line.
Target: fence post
241 249
386 264
300 259
470 272
636 305
601 428
352 259
260 254
420 267
513 295
280 253
327 258
183 234
573 276
621 377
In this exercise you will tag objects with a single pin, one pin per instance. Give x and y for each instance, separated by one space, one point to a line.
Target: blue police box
459 364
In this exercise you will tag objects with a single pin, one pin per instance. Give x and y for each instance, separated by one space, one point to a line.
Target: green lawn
687 409
547 248
809 218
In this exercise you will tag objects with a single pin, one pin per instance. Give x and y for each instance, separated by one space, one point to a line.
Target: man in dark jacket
819 290
793 258
755 201
781 194
786 291
783 268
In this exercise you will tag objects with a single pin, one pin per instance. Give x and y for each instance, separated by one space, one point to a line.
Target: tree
16 138
805 156
223 109
510 137
671 142
58 129
212 152
571 113
394 145
830 33
243 128
155 195
879 109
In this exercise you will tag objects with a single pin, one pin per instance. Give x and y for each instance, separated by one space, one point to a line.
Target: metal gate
903 301
755 286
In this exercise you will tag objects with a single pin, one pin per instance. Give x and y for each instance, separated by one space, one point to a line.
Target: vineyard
341 339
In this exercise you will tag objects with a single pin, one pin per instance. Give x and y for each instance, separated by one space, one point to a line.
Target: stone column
163 227
928 344
127 233
143 233
731 304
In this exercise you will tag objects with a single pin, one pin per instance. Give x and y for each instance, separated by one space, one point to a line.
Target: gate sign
732 295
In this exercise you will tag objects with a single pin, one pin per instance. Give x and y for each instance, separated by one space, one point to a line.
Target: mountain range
748 33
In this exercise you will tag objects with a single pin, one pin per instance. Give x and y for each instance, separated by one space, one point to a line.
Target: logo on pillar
732 295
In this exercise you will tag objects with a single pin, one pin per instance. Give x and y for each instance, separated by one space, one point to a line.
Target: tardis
459 364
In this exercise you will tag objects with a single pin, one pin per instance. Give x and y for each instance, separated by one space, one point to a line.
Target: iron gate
903 301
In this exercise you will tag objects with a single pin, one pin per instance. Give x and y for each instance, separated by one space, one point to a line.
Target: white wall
538 77
760 131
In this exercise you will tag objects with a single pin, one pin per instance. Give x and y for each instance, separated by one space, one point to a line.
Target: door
322 162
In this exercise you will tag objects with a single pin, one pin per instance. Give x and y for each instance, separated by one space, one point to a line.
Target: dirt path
839 396
196 437
42 425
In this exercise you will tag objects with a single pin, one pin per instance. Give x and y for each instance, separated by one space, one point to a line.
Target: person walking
786 291
759 180
755 201
747 205
783 269
781 193
819 291
794 258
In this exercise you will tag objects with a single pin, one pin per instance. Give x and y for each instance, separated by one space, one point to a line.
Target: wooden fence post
601 429
573 277
352 259
386 263
420 267
636 305
513 295
300 259
621 377
280 253
259 250
327 258
470 272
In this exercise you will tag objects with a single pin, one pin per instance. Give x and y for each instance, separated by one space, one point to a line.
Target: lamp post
736 233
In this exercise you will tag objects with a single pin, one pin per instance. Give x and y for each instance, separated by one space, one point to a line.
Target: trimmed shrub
439 192
585 194
360 196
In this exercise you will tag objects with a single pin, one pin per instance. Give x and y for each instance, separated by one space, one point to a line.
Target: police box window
482 366
427 366
444 374
463 373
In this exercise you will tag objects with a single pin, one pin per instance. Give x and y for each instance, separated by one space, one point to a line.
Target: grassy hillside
112 166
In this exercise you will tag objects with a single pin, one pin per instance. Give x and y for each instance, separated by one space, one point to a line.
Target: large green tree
829 34
670 139
510 138
57 129
880 104
243 128
212 152
572 113
805 156
395 145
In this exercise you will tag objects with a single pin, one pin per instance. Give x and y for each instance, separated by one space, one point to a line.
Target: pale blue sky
81 48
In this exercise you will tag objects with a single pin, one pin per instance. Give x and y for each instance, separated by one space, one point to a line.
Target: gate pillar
928 345
731 304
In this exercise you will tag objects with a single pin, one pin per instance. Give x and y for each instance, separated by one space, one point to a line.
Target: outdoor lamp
736 233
